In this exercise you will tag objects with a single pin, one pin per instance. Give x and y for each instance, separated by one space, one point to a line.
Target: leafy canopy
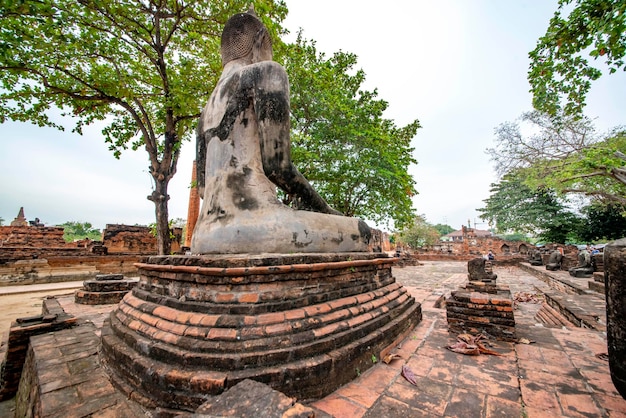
419 234
73 231
603 223
514 207
143 68
357 159
564 154
560 70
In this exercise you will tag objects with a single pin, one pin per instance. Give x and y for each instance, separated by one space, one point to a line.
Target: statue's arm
271 105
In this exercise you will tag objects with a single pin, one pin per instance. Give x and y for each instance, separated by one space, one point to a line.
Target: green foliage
597 171
514 237
514 207
564 154
73 231
143 69
444 229
603 223
356 159
419 234
172 223
560 68
1 221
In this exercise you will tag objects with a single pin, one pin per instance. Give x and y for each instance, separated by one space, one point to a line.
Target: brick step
310 377
550 317
222 350
109 285
260 297
578 311
99 298
303 323
304 318
597 286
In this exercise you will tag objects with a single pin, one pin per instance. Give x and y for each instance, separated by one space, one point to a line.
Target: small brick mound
104 290
482 307
477 313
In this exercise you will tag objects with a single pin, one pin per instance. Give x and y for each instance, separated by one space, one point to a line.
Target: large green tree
73 230
142 67
560 71
564 154
514 207
420 233
357 159
603 223
444 229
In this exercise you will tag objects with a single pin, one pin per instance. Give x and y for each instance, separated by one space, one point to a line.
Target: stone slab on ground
250 399
63 377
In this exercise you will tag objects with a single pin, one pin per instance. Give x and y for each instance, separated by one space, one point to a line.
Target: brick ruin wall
30 254
505 252
33 237
134 239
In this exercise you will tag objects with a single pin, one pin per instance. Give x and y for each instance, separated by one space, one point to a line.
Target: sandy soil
23 305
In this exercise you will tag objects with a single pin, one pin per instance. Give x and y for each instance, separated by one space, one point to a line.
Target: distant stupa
20 220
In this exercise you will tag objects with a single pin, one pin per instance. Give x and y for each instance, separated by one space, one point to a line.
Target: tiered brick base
105 289
304 324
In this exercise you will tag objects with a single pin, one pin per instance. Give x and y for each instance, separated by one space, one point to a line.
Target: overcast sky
458 66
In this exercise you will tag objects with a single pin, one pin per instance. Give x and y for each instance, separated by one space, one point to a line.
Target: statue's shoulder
259 69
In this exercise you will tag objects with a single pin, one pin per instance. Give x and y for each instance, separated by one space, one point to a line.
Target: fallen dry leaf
462 347
471 345
409 375
524 341
391 357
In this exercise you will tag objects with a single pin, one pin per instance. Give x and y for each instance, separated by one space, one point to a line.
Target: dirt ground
22 305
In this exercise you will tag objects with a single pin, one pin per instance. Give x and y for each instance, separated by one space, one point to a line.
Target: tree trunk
160 197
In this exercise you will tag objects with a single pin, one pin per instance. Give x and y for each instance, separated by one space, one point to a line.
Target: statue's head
245 35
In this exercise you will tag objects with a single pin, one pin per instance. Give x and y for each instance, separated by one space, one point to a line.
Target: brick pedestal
482 306
305 324
104 290
488 313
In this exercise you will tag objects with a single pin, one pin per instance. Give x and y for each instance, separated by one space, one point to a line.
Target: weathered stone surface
250 399
244 156
615 283
106 277
477 271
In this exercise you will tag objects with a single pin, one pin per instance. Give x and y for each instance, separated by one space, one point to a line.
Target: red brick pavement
557 375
